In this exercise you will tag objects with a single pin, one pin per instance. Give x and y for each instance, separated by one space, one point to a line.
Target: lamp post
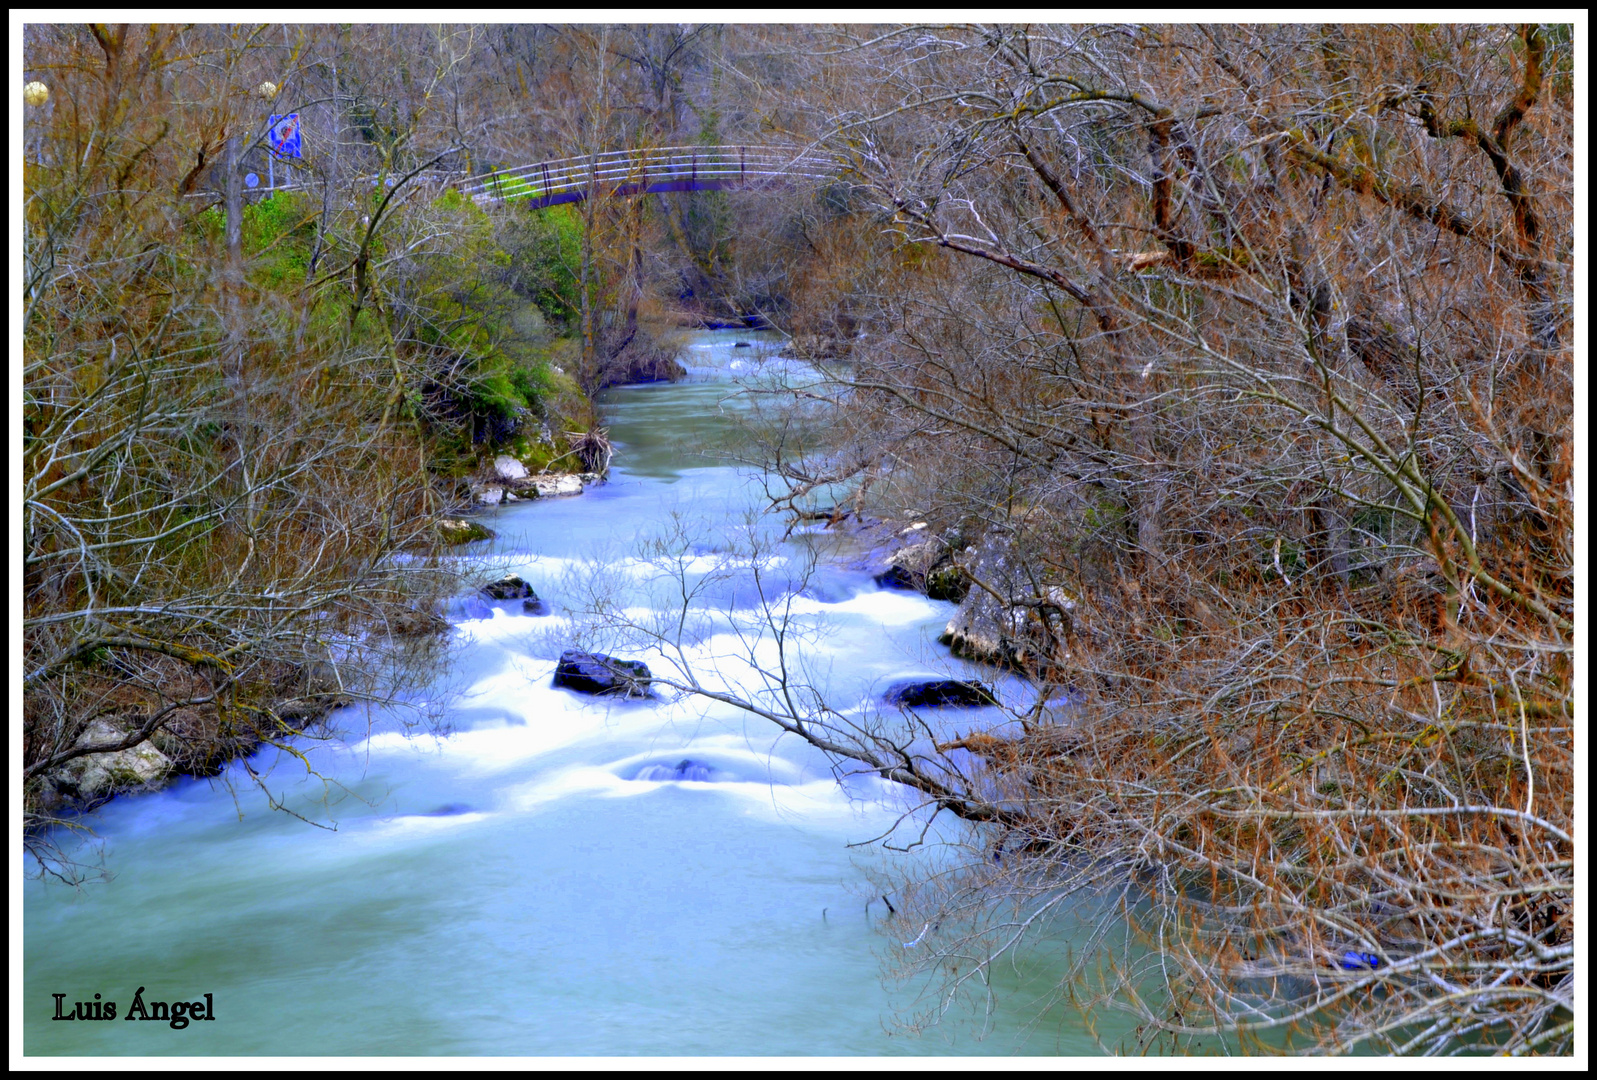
267 91
34 95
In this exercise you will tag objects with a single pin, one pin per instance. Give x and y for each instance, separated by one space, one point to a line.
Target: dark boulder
509 587
940 694
897 577
927 568
947 582
742 345
534 606
595 673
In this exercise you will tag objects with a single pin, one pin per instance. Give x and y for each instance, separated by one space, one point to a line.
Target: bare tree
1254 343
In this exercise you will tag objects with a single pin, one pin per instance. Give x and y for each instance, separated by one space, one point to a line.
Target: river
541 876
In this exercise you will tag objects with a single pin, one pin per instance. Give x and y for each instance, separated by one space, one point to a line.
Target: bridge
646 172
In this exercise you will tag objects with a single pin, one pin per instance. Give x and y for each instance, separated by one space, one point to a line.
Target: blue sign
283 136
251 180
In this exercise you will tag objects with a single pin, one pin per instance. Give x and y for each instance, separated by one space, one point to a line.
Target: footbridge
644 172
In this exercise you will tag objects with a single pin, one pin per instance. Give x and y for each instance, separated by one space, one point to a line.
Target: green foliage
279 233
543 260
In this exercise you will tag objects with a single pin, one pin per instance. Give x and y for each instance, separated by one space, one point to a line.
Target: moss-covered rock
95 777
462 531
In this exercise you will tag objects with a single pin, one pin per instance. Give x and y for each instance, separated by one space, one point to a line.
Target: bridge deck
634 172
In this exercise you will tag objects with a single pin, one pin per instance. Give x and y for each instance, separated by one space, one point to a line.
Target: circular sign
35 93
251 180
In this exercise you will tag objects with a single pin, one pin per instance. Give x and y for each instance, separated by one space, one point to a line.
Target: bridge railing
654 169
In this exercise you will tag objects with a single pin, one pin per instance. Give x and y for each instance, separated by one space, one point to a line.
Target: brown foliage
1253 341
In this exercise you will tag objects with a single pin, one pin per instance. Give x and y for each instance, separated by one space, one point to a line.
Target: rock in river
462 531
940 694
509 587
595 673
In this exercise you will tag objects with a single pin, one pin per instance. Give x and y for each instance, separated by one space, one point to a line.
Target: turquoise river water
539 876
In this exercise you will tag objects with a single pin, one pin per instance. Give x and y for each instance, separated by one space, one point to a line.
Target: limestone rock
923 567
508 468
461 531
97 776
1021 627
549 486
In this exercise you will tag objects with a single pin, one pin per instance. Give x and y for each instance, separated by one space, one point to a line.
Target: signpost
282 140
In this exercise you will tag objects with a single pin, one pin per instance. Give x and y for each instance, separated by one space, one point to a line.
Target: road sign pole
271 170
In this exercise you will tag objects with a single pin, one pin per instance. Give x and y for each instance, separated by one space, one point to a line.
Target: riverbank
130 748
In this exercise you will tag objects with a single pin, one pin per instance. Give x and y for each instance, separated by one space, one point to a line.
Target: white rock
508 468
100 774
558 485
490 496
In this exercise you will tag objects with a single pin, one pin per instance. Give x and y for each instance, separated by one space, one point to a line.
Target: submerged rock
686 769
595 673
940 694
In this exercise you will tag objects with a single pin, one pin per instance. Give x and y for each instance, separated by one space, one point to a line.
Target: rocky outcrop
1007 617
93 778
452 531
596 673
939 694
547 487
926 567
508 469
511 587
527 486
